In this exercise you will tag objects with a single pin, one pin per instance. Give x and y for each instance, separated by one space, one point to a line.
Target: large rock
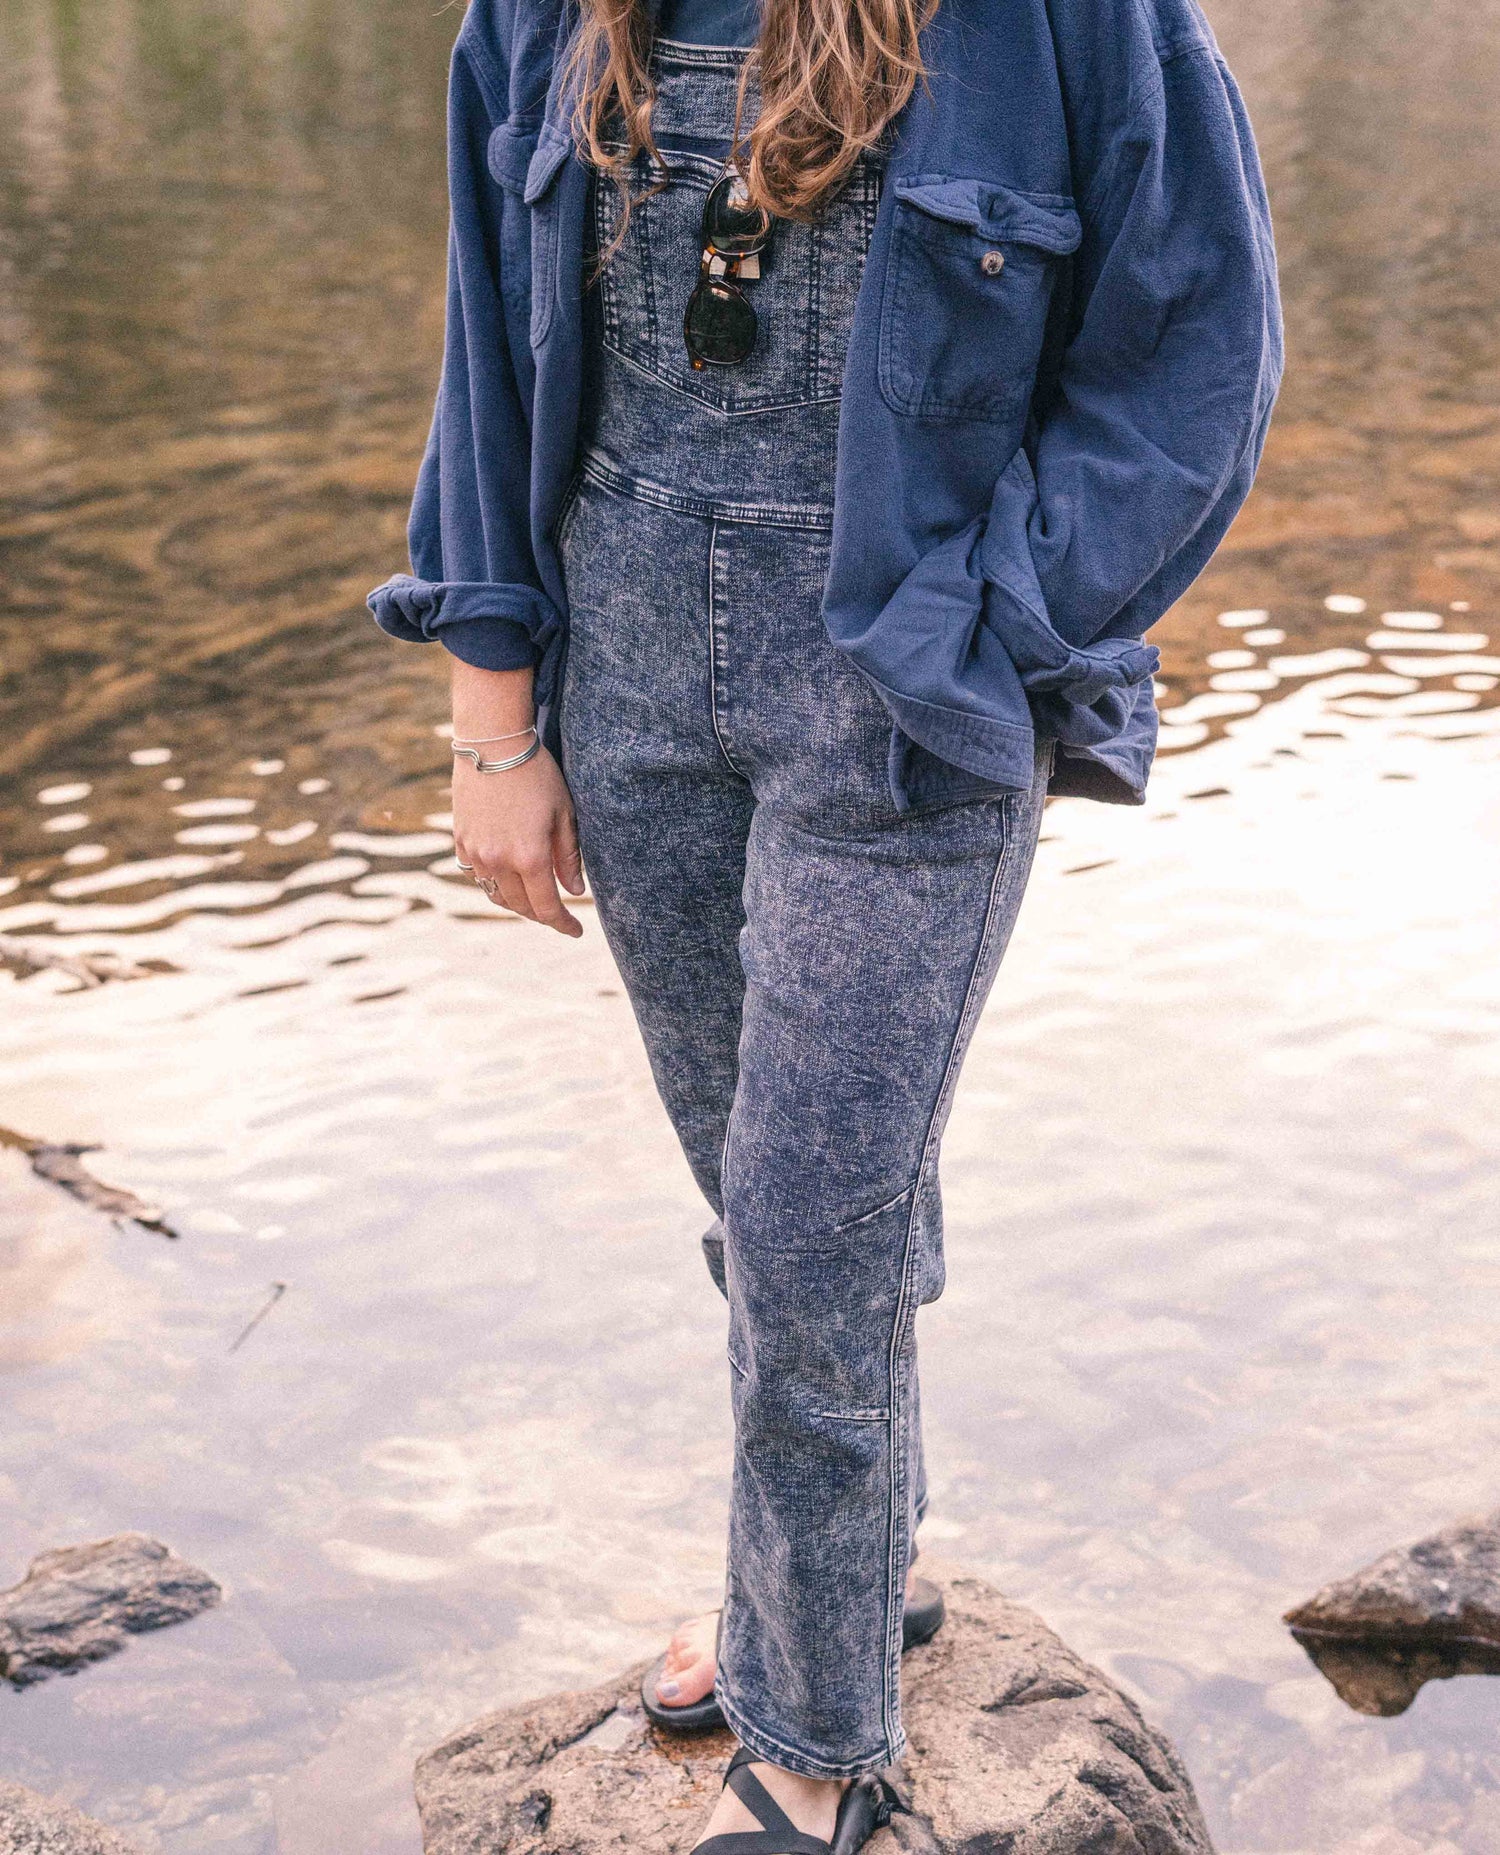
1421 1613
1017 1748
33 1825
77 1605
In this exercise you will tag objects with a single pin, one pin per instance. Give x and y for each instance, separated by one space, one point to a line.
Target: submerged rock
1421 1613
77 1605
33 1825
1017 1748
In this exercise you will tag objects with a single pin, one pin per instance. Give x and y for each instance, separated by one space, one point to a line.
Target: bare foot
691 1663
811 1803
692 1660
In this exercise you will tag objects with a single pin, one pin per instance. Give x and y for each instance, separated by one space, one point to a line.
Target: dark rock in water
1422 1613
77 1605
1017 1748
33 1825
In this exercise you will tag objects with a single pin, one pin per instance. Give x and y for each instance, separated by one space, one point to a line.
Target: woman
833 396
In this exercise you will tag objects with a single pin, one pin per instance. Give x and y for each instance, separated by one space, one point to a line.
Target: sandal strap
891 1799
763 1842
777 1835
755 1797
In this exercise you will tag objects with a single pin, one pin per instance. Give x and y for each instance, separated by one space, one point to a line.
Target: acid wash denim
1035 457
806 960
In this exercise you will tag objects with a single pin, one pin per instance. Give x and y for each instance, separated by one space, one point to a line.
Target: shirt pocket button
992 263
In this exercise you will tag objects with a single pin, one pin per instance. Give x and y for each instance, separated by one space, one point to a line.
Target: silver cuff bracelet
497 766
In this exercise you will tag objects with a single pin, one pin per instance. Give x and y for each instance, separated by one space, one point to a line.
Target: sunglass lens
731 225
719 326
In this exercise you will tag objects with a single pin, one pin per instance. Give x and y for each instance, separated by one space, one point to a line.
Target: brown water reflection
219 303
1223 1173
220 252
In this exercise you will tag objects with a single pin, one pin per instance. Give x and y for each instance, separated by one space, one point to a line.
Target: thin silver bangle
488 740
497 766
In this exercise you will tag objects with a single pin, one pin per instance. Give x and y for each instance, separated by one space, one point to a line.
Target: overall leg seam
895 1602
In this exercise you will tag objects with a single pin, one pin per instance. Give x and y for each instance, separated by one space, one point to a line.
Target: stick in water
278 1289
60 1164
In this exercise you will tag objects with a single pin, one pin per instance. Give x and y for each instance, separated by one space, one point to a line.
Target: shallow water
1222 1174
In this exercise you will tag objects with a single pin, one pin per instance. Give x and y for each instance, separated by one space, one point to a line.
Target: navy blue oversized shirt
1062 364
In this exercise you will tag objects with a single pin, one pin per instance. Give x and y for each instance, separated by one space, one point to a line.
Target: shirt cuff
492 626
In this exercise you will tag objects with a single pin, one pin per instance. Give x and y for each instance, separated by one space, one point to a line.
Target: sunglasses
720 322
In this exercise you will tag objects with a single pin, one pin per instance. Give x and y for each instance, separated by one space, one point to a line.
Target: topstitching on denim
718 706
809 520
701 57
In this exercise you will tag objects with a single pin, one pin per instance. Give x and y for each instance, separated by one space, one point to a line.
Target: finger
565 853
510 892
541 891
500 884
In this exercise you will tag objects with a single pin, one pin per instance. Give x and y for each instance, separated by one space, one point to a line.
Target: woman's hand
515 829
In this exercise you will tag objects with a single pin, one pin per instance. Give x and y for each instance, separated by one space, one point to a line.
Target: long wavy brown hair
831 75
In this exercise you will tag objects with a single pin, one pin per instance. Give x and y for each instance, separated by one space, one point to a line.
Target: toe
689 1682
688 1671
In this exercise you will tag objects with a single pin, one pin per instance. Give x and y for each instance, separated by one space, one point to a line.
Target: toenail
669 1690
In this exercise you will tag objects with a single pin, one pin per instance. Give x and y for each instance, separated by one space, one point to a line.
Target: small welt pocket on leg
880 1210
811 1316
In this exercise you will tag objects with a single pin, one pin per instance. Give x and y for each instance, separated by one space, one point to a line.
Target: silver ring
467 868
488 884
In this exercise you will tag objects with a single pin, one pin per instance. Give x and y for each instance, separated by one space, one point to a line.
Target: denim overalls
805 962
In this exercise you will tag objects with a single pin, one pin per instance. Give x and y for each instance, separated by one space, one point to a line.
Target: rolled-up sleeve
473 586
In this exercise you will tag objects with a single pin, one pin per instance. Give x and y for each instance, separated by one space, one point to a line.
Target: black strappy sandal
867 1805
923 1619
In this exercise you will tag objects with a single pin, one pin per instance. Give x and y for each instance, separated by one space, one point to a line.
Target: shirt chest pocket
969 283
